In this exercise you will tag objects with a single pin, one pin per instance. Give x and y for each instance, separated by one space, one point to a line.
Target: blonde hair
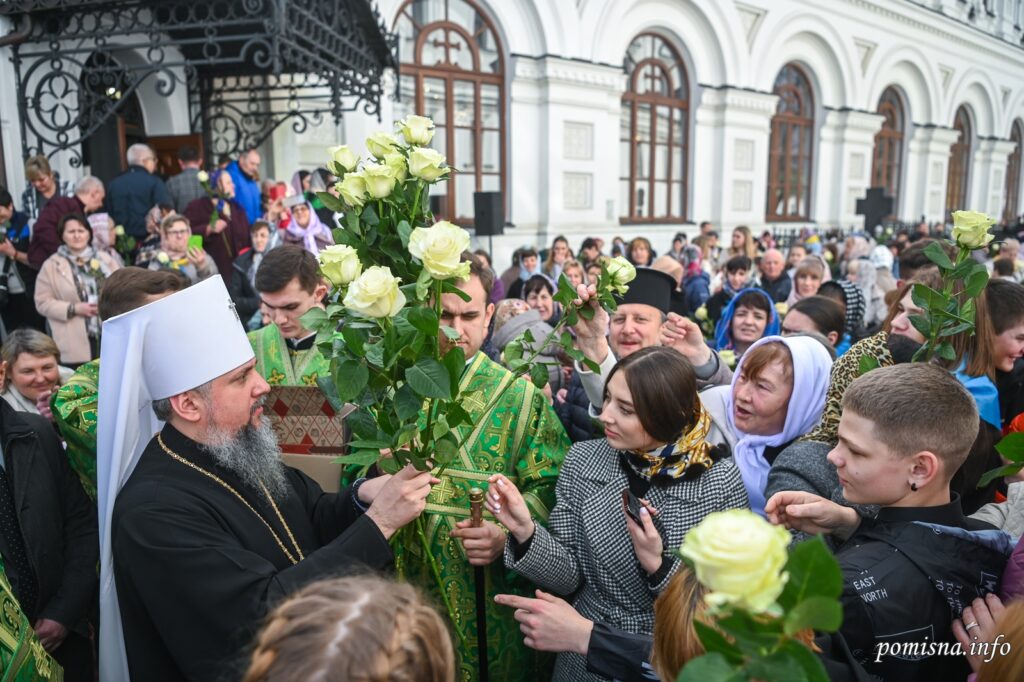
1010 666
36 167
749 248
357 629
675 638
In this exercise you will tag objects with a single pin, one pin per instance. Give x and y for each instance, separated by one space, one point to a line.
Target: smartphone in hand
195 242
632 505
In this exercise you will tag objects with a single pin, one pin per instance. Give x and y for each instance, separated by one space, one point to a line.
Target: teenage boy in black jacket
909 572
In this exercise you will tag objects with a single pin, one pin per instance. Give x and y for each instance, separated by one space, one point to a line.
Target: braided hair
355 629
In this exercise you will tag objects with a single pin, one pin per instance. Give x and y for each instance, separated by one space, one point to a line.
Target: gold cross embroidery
474 402
444 491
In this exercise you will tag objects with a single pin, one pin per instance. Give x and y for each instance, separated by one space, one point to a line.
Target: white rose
344 157
352 189
340 264
417 130
163 258
203 177
620 273
971 229
119 230
375 293
380 143
380 179
427 164
396 162
739 557
440 249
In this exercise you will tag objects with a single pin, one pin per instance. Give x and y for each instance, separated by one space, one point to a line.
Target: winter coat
247 194
133 194
236 234
697 288
574 412
243 293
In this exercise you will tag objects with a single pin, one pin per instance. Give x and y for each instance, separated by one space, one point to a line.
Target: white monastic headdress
157 351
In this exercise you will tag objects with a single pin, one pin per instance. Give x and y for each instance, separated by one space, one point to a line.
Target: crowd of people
726 378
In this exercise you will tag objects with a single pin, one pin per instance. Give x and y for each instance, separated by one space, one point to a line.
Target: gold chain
204 472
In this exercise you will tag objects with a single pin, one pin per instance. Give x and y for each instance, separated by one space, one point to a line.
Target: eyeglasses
177 233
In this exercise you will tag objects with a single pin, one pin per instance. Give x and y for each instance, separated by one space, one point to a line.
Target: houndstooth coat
586 545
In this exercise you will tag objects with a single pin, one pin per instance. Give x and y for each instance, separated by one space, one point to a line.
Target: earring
913 487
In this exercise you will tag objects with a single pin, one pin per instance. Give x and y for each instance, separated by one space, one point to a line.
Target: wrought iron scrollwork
248 65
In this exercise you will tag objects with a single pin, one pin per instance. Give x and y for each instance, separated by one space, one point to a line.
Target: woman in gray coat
624 503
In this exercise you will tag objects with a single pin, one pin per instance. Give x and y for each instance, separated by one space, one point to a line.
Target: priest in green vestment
22 656
74 404
522 438
289 284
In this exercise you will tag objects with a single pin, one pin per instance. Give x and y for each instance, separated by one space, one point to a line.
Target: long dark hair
664 391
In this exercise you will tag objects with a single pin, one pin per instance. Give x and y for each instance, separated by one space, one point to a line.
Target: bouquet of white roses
389 268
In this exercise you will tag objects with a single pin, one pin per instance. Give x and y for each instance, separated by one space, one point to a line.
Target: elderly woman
68 289
538 293
176 254
31 371
777 395
623 503
810 272
226 237
305 228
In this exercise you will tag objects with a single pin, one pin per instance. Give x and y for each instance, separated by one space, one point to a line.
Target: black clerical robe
196 570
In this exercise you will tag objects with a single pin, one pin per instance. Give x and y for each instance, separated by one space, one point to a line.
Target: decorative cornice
569 71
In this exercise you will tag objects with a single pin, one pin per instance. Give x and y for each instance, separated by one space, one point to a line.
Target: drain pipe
19 36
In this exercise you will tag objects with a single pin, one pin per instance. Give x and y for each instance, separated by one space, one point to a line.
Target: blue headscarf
723 330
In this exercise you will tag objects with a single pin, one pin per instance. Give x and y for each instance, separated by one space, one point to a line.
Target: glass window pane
661 162
662 128
465 185
643 122
433 52
491 160
464 103
643 160
640 196
660 199
677 163
440 141
624 197
434 98
678 200
489 102
465 151
490 183
406 103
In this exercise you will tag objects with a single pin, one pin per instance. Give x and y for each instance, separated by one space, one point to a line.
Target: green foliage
1011 447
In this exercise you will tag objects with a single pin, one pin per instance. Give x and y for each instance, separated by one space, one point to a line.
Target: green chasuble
280 365
523 439
74 411
22 656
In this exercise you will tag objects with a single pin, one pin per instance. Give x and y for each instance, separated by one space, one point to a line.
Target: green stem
416 203
421 533
947 290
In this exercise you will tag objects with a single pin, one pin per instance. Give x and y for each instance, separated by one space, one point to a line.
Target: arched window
885 168
654 132
1011 209
452 70
959 163
791 151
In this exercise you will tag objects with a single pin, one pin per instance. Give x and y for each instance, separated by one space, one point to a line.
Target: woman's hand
982 618
219 226
549 623
196 257
508 506
43 404
83 309
647 541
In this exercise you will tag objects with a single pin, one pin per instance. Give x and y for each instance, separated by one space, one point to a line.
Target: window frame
1011 203
802 122
452 74
653 102
887 158
958 175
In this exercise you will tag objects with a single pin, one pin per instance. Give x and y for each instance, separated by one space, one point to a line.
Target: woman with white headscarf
777 395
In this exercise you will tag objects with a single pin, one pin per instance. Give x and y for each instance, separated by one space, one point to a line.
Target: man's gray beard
252 453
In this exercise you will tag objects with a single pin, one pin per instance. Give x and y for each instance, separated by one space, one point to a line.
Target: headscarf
855 305
812 367
723 330
675 459
308 234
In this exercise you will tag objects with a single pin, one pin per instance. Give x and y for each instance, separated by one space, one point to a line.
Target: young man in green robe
74 404
289 284
521 437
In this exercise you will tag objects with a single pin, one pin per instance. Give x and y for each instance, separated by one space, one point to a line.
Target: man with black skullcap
641 320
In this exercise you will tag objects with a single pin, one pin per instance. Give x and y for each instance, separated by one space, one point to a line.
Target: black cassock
196 570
